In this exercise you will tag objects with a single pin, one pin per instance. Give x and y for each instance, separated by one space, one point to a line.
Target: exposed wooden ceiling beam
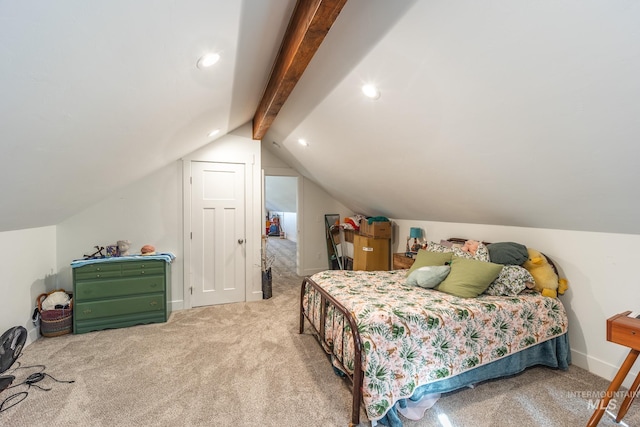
309 24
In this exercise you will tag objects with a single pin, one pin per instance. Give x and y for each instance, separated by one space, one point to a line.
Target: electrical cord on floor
31 380
22 394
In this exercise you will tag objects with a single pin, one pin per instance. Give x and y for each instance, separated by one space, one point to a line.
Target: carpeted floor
246 365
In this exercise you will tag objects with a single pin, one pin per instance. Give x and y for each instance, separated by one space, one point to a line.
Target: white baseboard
599 367
177 305
32 335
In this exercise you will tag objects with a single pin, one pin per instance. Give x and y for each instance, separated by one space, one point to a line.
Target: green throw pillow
427 258
508 253
469 278
428 276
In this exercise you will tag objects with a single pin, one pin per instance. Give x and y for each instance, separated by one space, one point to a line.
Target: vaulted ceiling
94 95
514 113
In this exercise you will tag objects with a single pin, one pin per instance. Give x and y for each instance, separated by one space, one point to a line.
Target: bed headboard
458 240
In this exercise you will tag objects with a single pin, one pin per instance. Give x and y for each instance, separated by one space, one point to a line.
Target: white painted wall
317 203
602 269
290 225
27 269
148 211
280 193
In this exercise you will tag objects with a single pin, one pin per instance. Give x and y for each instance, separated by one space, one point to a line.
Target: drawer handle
152 303
97 275
142 272
86 311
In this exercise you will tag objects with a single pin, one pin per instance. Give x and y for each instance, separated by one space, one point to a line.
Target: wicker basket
56 322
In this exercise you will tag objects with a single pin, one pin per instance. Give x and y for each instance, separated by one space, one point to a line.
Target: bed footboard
325 301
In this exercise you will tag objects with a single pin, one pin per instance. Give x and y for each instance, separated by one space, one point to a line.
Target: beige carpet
246 365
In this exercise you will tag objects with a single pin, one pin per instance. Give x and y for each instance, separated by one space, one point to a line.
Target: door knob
240 241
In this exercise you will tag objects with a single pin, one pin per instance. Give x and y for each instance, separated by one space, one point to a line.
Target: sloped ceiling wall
511 113
95 95
280 193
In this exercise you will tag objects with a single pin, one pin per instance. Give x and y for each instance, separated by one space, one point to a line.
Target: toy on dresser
148 250
123 247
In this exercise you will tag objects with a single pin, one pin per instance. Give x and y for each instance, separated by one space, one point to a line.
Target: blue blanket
164 256
554 353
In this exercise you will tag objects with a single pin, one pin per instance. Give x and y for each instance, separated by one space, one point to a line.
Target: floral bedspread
413 336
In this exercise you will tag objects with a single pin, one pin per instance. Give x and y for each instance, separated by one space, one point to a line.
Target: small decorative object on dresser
148 250
112 250
123 247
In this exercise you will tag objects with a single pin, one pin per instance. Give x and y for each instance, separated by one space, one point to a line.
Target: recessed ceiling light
208 60
214 132
303 142
370 91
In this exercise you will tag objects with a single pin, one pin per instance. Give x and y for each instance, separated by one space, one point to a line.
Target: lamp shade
415 233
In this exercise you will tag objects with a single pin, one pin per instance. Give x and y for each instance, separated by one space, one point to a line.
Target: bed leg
357 376
304 282
356 394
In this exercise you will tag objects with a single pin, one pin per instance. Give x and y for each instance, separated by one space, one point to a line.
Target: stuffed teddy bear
123 247
471 246
545 277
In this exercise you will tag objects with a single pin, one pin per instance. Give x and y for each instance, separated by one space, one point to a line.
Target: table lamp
415 233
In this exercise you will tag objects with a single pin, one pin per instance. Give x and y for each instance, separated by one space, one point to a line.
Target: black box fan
11 345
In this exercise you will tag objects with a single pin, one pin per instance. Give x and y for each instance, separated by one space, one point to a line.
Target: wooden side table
623 330
401 261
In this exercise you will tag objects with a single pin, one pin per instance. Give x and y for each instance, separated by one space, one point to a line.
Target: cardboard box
348 235
370 253
376 229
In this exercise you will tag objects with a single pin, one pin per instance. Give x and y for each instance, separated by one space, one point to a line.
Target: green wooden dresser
120 293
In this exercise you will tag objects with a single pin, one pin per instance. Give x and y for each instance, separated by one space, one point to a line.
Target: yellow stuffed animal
546 279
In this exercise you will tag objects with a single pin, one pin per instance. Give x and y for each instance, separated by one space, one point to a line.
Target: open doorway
281 219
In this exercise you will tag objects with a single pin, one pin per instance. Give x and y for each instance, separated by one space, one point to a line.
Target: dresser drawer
119 307
97 271
89 290
142 265
624 330
142 268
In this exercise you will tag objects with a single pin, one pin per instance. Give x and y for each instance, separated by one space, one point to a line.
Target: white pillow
428 276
